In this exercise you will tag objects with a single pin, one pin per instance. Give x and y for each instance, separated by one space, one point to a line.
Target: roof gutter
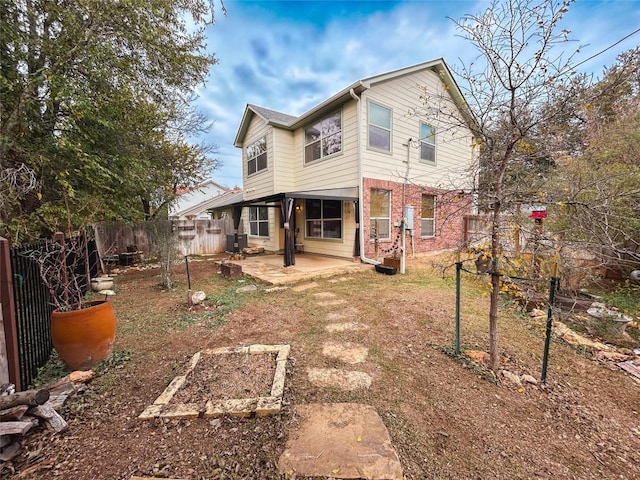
361 181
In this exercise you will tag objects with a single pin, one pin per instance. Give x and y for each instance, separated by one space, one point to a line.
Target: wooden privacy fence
191 237
26 309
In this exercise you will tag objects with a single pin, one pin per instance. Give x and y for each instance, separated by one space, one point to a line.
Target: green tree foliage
596 189
521 62
96 108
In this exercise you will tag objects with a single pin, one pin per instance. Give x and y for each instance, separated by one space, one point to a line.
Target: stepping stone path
340 440
345 352
344 313
344 379
345 327
325 295
331 303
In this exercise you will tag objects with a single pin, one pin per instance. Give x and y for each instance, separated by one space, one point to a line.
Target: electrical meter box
408 215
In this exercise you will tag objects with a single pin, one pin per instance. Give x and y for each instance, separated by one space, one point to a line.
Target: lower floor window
428 216
259 221
323 218
380 214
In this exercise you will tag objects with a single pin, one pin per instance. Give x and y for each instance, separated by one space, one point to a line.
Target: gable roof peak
272 115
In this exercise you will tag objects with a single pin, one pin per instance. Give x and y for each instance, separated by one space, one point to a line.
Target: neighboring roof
190 198
222 200
290 122
206 183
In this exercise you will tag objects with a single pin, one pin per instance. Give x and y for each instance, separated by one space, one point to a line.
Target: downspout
361 182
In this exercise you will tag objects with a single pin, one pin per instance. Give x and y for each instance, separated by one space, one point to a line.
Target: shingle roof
272 115
291 122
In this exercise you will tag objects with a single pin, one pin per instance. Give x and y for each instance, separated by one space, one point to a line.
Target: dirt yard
447 417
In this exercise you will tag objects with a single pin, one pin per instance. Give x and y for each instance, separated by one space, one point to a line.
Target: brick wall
449 228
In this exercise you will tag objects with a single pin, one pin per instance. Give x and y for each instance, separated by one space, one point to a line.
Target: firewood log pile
22 412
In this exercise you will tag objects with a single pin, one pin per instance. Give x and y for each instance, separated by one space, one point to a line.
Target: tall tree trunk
493 319
495 288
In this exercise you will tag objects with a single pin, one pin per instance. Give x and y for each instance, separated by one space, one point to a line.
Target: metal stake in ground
458 270
552 295
186 261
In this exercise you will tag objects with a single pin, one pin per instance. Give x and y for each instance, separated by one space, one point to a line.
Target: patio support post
289 255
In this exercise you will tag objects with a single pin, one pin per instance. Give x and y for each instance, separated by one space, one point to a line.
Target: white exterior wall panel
453 146
284 153
338 248
272 242
336 171
260 183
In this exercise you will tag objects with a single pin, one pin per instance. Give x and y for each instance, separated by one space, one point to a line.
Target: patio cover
347 193
284 201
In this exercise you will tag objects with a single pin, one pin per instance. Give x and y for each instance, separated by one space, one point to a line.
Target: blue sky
291 55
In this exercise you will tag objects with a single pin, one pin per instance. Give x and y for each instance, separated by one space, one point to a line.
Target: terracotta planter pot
84 337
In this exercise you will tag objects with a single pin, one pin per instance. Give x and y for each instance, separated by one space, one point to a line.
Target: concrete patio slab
269 268
340 441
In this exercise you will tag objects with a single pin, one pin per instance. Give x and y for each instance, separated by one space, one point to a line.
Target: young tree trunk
493 318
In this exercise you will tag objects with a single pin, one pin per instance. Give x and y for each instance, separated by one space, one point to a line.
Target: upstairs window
380 214
379 127
427 143
323 218
259 221
323 138
257 156
428 216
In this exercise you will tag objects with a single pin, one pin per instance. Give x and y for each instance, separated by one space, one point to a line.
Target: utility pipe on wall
361 181
403 227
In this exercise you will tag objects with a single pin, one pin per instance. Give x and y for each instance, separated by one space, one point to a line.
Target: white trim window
427 143
379 127
380 214
324 138
257 156
259 221
323 219
428 216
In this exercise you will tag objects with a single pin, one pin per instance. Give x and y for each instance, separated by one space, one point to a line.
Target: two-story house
339 179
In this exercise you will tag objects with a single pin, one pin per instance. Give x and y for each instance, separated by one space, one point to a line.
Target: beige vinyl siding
284 180
453 148
338 248
270 243
336 171
261 183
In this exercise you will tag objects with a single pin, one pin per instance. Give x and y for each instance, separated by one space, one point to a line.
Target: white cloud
290 56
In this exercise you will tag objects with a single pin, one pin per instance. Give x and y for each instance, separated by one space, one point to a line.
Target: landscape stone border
241 407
